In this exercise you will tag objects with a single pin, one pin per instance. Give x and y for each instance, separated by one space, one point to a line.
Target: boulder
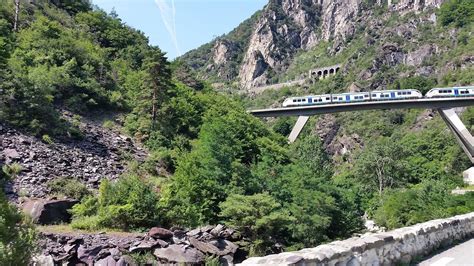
11 154
148 245
126 261
218 247
87 255
49 211
179 254
108 261
468 176
157 232
43 260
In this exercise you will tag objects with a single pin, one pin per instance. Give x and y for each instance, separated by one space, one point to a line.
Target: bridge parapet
400 246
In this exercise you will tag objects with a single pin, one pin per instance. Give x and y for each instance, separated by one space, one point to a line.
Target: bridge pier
297 128
463 136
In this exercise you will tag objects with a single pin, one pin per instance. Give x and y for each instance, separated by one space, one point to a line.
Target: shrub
129 203
17 235
68 187
12 170
259 217
47 139
457 12
426 201
108 124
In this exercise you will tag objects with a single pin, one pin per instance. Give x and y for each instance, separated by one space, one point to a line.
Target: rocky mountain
285 28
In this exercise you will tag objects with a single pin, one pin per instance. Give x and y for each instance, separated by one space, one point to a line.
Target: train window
399 93
374 95
366 96
320 100
294 101
409 93
327 98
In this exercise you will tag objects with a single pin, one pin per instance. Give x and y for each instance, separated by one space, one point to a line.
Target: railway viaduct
443 105
402 246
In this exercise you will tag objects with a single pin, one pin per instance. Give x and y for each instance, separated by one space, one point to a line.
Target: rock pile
97 155
168 247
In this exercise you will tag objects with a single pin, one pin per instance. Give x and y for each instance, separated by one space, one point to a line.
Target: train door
310 100
456 92
348 98
392 95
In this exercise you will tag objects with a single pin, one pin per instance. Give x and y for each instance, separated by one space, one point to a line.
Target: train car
350 97
307 100
450 92
395 95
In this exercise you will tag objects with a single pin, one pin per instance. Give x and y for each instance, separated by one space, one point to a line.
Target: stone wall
400 246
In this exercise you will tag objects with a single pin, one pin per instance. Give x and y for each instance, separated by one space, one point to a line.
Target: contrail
168 14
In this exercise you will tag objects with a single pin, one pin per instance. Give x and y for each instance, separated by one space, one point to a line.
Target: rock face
285 27
182 247
49 211
97 155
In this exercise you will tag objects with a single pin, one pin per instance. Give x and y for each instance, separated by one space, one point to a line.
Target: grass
67 229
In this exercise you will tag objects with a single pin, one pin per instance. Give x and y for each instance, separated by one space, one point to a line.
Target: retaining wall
400 246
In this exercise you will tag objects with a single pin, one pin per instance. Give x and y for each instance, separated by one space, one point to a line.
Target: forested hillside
206 160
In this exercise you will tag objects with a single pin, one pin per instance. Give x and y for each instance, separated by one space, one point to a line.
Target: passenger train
381 95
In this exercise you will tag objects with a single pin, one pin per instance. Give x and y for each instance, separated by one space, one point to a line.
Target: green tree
457 12
260 217
381 165
217 166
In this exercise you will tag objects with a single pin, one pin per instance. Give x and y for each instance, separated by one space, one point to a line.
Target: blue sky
196 21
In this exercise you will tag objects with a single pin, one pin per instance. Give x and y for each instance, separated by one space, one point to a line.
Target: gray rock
43 260
219 247
157 232
11 154
87 255
126 261
49 211
108 261
216 231
179 254
145 246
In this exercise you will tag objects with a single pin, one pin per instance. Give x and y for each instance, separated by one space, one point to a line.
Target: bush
17 235
457 12
47 139
259 217
68 187
12 170
423 202
129 203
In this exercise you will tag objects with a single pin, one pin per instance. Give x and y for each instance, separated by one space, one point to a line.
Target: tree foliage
17 235
457 12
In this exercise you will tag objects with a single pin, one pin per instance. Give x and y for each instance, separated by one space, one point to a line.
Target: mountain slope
288 31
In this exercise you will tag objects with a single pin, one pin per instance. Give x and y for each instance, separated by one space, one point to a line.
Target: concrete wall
400 246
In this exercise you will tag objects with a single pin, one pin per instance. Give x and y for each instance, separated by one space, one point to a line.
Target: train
379 95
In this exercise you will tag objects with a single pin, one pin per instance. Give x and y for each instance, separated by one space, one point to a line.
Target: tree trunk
17 14
153 111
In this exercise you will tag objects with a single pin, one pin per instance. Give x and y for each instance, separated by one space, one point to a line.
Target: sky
178 26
